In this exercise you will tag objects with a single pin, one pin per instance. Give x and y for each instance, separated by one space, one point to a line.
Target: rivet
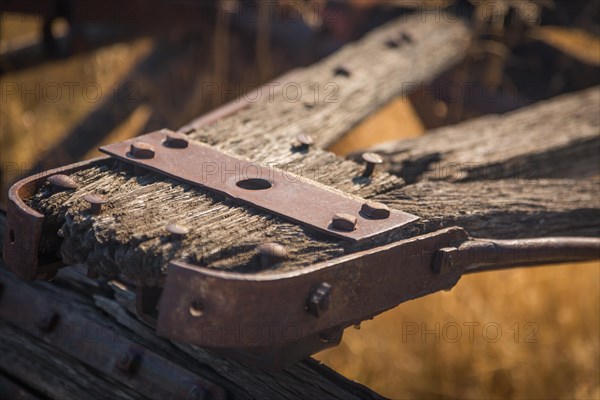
304 140
319 300
96 201
176 141
128 362
271 253
371 159
177 231
375 210
344 222
142 150
47 321
62 182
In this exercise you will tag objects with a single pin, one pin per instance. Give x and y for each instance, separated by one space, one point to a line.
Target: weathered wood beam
505 208
263 131
47 370
558 138
130 237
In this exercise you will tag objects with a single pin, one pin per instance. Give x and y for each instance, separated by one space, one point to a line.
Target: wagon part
100 347
234 313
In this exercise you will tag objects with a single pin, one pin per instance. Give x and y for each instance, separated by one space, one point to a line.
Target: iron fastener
176 141
96 201
128 362
344 222
62 182
142 150
304 140
444 259
47 321
271 253
319 300
372 159
177 231
375 210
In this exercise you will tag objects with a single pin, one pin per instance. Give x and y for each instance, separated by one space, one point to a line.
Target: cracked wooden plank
129 238
557 138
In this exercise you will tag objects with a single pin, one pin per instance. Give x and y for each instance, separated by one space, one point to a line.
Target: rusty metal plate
221 309
270 189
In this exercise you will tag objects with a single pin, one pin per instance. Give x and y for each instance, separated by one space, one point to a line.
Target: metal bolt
271 253
371 159
443 259
47 321
142 150
61 182
128 362
304 140
375 210
176 141
177 231
96 201
344 222
319 300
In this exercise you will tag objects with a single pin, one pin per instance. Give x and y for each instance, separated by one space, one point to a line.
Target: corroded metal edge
24 226
221 309
268 188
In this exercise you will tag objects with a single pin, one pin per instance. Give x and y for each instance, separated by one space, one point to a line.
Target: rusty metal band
24 226
267 188
232 310
97 345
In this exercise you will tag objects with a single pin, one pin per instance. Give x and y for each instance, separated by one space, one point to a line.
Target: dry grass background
561 302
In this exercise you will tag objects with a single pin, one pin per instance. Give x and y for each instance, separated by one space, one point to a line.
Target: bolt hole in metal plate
270 189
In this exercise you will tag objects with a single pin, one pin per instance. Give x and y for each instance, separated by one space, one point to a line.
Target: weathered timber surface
38 365
129 238
505 208
559 138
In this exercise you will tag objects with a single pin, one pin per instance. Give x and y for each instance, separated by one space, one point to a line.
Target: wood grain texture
129 238
55 374
558 138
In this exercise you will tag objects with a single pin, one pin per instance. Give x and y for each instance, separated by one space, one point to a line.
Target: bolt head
95 199
372 158
62 181
176 141
320 299
142 150
375 210
128 362
304 139
177 230
343 222
271 253
47 321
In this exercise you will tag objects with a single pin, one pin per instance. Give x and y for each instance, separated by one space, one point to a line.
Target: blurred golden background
531 333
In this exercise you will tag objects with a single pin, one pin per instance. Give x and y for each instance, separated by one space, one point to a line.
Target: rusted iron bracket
270 189
97 345
236 312
21 248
